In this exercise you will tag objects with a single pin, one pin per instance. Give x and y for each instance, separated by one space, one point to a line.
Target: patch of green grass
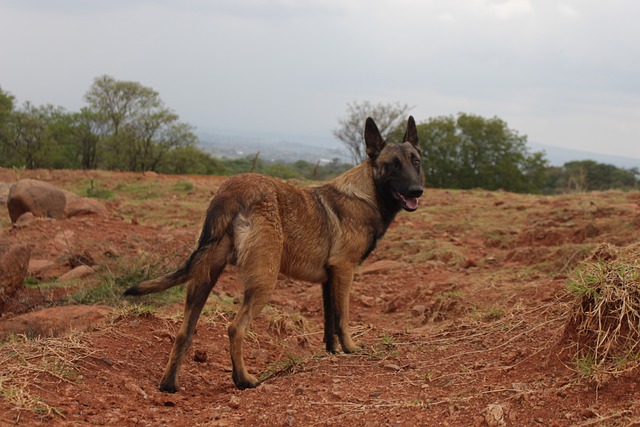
284 365
493 313
448 295
586 366
113 283
387 341
183 186
141 191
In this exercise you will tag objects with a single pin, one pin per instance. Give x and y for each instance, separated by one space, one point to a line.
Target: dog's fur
267 227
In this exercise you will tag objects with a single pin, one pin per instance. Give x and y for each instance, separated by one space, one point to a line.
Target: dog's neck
359 182
352 184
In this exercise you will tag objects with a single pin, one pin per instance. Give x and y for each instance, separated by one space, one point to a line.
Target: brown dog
320 234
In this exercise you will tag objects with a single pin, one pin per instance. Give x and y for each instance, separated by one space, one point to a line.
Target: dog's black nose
415 191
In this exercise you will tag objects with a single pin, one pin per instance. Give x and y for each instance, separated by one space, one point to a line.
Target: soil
460 312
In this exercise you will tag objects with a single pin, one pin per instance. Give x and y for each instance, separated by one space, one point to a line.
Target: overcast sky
564 73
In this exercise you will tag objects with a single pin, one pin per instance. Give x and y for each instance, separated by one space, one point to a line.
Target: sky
563 73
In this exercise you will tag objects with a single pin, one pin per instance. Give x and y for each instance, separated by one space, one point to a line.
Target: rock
77 273
470 262
200 356
84 258
78 206
392 367
418 310
38 197
24 220
54 321
14 266
234 402
494 415
380 266
40 267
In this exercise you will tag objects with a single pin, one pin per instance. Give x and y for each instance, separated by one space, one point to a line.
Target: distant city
314 148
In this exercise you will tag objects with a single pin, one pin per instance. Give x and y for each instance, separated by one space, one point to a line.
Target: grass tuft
605 318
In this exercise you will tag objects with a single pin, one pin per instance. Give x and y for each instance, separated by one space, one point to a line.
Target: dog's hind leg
198 289
258 266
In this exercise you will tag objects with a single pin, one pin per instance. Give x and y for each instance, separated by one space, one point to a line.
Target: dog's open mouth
409 204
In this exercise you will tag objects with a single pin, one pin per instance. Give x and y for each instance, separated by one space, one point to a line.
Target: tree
136 129
86 128
351 130
589 175
29 141
191 160
6 108
470 151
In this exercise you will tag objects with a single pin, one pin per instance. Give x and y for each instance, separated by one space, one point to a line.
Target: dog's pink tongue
411 203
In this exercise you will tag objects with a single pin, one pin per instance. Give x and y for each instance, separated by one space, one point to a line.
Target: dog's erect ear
373 139
411 134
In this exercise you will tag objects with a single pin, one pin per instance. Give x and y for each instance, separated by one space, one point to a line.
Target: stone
79 206
40 267
24 220
77 273
14 267
494 415
38 197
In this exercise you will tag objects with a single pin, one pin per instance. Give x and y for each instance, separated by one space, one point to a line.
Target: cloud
505 9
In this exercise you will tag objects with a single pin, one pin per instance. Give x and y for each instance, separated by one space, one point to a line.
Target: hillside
461 312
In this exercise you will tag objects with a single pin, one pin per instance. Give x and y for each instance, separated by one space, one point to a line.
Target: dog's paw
249 381
169 388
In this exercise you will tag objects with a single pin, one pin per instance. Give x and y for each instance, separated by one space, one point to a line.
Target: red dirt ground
460 312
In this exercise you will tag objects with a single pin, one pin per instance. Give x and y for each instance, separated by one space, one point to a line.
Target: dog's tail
206 262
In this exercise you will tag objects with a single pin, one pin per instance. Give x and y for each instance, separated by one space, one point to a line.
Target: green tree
29 140
589 175
351 130
86 128
470 151
136 129
191 160
6 108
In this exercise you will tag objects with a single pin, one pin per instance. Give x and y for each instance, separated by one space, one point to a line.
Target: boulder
38 197
77 273
14 265
54 321
85 206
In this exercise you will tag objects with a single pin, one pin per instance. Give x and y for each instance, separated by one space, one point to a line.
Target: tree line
469 151
126 126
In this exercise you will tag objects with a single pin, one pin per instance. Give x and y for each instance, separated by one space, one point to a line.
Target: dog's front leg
330 315
341 278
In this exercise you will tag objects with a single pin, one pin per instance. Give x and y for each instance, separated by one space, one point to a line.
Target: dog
266 227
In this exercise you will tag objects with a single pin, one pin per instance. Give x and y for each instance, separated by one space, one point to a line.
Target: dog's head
397 167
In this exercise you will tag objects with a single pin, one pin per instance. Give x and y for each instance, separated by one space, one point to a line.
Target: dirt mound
54 321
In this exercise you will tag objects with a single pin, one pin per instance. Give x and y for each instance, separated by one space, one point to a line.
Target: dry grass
28 362
604 324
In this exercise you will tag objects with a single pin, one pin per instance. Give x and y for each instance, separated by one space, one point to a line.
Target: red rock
38 197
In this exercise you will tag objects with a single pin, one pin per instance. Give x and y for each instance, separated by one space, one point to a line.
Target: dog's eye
416 162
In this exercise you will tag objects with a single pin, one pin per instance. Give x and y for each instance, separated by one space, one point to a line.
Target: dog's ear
411 134
373 139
